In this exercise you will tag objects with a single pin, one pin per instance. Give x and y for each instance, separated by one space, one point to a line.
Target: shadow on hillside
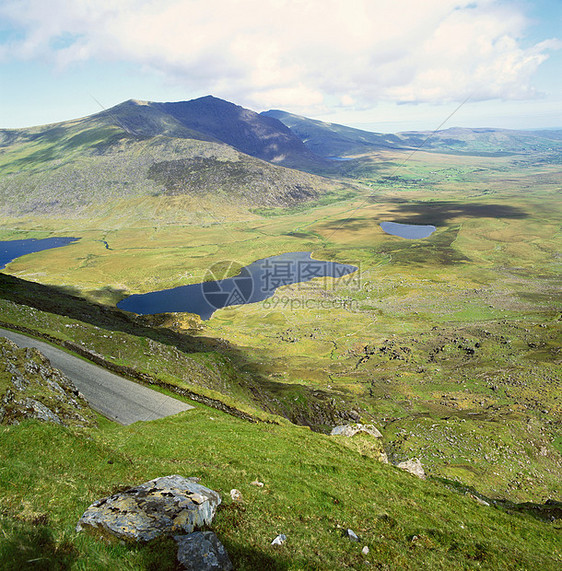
442 212
550 511
272 396
251 558
66 302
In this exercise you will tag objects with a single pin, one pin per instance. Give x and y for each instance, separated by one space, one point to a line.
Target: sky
380 65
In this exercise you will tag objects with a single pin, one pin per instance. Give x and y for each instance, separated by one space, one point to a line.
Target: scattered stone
354 415
478 500
163 506
365 550
350 430
350 534
414 466
257 483
279 540
236 495
202 551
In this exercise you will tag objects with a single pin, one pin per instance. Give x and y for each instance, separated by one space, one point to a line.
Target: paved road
115 397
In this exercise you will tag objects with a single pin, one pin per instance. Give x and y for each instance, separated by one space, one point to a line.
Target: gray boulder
350 430
414 466
165 506
202 551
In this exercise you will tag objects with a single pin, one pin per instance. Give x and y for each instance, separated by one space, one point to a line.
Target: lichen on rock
202 551
351 430
170 505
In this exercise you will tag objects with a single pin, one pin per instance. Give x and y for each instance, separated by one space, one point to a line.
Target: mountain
251 133
212 119
333 140
205 149
206 152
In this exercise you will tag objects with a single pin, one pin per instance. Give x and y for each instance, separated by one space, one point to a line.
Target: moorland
449 345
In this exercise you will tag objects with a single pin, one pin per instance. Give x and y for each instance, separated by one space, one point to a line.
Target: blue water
12 249
255 282
408 231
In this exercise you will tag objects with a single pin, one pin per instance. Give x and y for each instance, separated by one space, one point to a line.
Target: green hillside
315 486
136 154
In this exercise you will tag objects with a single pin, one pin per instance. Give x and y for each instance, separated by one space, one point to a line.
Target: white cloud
295 53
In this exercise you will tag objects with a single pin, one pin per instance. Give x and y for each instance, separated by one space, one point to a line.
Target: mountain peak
251 133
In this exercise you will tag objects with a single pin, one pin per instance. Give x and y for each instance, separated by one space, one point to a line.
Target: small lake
12 249
408 231
254 283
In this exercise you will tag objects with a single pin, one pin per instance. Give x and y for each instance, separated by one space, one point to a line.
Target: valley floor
450 345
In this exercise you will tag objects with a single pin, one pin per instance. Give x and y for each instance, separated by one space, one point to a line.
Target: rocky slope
31 389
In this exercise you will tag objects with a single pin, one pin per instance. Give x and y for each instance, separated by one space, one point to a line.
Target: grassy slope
311 497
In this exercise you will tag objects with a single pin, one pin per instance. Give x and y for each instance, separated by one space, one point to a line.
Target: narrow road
115 397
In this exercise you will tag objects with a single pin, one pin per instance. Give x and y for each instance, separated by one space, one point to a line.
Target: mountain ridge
207 149
142 150
333 139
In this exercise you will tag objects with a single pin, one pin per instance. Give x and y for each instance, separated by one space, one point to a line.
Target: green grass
54 473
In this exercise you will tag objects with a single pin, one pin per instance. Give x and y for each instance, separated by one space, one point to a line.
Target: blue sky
382 65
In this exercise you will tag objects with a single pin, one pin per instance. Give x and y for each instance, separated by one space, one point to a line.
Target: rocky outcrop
350 430
170 505
202 551
367 443
31 389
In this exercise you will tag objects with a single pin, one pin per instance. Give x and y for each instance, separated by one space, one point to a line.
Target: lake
12 249
254 283
408 231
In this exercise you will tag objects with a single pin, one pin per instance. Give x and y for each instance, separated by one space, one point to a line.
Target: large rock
168 505
414 466
202 551
350 430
